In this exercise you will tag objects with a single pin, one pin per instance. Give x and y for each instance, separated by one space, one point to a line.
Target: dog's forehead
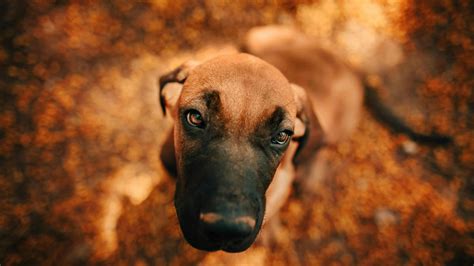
245 84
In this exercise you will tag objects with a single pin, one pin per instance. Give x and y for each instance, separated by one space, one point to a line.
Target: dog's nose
220 228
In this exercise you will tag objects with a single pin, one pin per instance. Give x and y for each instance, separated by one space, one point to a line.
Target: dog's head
234 118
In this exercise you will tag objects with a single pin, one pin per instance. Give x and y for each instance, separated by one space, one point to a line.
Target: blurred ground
81 130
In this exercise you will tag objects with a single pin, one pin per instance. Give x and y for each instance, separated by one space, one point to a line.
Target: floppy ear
308 131
171 85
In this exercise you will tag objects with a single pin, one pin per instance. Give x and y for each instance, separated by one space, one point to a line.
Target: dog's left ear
308 132
171 85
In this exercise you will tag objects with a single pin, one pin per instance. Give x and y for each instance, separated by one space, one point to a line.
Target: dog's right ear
308 131
171 85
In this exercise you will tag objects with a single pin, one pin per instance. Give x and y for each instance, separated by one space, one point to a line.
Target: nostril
218 227
249 221
210 217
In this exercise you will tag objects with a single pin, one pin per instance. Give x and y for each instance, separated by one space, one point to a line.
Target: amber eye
194 118
281 138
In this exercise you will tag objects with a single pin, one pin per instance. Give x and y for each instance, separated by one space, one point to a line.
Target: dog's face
234 119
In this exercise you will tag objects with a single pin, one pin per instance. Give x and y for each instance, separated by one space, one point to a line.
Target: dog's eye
194 118
281 138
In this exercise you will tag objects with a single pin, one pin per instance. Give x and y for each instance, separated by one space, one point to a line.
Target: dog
241 129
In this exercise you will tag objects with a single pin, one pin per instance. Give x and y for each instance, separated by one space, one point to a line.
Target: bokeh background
80 133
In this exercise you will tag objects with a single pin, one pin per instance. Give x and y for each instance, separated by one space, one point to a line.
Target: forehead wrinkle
274 120
209 99
212 100
278 116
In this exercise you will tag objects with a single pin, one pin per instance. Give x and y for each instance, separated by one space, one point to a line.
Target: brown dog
239 126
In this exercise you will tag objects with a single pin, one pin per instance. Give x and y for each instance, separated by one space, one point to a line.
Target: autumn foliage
80 133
